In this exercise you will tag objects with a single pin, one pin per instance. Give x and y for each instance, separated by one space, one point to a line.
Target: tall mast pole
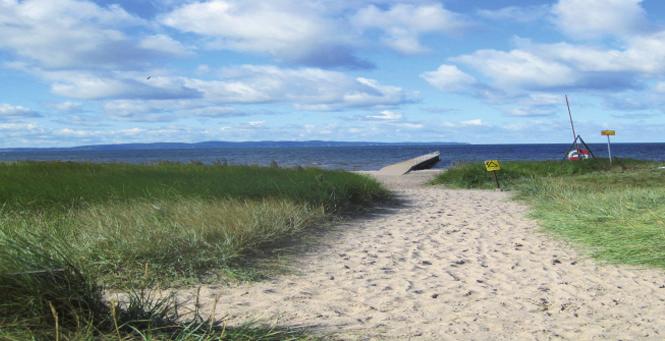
572 125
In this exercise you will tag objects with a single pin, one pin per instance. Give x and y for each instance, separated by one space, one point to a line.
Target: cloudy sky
489 71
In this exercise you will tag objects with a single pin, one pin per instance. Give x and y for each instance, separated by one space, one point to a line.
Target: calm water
348 158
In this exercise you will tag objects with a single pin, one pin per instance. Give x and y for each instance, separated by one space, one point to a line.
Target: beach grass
68 231
616 212
60 302
474 175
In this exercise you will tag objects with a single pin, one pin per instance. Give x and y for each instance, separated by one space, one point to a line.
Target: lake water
348 158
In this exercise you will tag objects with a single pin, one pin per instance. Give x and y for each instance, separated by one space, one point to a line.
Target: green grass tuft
615 211
474 175
43 186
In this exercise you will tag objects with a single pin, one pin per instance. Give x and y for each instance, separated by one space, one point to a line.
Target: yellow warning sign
492 165
608 132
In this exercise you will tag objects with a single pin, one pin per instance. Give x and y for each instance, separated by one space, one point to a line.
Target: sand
449 265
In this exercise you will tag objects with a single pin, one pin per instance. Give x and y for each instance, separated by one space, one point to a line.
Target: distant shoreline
276 145
350 157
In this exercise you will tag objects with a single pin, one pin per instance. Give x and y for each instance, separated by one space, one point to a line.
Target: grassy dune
616 211
68 230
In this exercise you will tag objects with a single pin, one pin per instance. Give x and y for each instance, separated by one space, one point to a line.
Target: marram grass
616 212
70 230
167 240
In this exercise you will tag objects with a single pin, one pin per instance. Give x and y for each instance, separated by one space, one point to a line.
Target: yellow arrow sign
492 165
608 132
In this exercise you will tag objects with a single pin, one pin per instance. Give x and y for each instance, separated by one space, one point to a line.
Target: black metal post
496 178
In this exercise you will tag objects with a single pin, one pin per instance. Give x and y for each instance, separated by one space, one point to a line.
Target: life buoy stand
578 154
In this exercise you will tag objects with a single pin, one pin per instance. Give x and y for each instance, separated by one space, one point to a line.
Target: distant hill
226 144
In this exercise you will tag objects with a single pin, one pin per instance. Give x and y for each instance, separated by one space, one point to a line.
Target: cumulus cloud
293 30
248 25
555 66
449 78
116 85
518 69
256 124
388 120
531 67
403 24
521 80
164 110
522 14
163 43
89 133
476 122
469 124
536 105
77 34
18 127
584 19
306 88
68 107
385 115
313 33
76 136
16 111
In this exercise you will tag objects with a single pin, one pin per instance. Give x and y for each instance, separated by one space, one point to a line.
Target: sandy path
451 264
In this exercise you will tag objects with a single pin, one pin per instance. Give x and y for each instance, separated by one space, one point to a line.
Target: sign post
608 133
493 166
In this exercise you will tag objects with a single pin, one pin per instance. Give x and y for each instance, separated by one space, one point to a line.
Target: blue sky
487 71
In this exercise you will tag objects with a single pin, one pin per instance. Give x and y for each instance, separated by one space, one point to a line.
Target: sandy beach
449 265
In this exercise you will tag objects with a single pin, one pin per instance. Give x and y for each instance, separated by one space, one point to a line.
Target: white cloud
520 80
109 85
164 110
385 115
246 25
534 67
305 88
469 124
387 120
297 31
521 14
411 125
660 87
91 133
163 43
477 122
313 33
18 127
256 124
646 53
68 106
363 92
16 111
583 19
529 112
403 24
74 34
519 69
448 78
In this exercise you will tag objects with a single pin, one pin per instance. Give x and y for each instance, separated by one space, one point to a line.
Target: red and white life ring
578 154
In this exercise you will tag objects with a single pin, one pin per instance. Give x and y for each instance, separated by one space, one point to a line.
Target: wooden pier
421 162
